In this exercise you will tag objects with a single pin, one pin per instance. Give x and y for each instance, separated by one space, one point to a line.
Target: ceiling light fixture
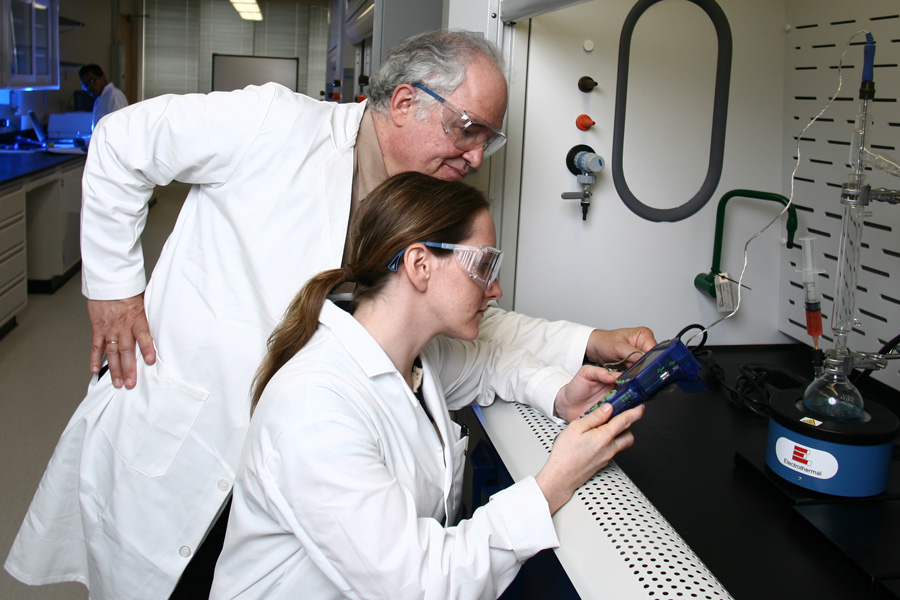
247 9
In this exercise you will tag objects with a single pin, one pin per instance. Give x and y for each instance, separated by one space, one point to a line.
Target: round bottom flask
832 397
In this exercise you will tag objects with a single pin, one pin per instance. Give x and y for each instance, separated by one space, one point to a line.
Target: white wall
616 269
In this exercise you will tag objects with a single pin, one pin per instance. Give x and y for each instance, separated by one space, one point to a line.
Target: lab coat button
224 485
184 551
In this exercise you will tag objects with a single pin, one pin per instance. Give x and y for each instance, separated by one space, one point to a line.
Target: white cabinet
53 228
13 286
29 51
40 223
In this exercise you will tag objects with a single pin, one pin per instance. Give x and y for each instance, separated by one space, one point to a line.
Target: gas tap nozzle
583 162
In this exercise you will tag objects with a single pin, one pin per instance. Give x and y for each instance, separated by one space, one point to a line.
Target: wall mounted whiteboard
233 71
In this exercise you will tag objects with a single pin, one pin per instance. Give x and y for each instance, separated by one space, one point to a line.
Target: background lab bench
690 511
40 210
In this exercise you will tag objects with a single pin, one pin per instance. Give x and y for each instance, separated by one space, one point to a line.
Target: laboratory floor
44 374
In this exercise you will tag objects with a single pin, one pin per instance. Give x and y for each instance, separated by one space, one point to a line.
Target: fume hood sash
516 10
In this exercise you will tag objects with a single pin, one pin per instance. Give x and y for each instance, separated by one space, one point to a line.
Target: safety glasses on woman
481 263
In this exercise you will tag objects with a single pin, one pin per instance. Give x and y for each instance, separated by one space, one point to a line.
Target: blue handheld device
669 362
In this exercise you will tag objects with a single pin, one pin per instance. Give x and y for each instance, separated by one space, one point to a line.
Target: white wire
883 162
791 198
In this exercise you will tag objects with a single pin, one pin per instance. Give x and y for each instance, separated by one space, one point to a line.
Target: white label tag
803 459
726 293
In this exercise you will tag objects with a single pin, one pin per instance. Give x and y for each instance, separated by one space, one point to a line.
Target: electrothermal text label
806 460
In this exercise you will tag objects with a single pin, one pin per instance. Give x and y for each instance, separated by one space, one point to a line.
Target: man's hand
116 325
624 346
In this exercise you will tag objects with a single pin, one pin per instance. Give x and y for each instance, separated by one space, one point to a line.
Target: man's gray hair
436 59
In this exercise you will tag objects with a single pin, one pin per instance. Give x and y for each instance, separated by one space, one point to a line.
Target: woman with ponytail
351 476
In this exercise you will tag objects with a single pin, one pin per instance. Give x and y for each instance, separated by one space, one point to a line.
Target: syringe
811 298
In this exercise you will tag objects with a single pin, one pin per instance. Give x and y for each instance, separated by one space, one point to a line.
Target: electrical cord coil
753 388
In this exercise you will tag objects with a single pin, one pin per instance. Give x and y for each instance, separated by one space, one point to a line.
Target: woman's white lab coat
344 482
139 475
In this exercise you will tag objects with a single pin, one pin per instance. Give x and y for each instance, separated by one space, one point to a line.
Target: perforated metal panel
629 548
663 564
814 44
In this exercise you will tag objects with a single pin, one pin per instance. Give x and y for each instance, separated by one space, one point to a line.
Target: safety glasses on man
481 263
467 130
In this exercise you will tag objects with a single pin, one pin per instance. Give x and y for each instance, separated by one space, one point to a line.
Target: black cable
752 388
725 44
612 365
694 326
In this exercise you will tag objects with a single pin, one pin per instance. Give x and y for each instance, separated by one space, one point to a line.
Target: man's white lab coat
344 484
110 100
139 475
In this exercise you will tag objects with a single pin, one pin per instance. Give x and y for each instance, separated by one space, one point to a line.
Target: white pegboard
816 34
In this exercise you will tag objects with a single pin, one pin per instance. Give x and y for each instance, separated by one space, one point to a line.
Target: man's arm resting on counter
563 342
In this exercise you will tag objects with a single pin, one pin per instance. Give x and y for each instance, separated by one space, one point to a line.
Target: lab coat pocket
147 425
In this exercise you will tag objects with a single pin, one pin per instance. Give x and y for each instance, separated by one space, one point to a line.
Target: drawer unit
40 218
12 266
12 234
13 286
12 203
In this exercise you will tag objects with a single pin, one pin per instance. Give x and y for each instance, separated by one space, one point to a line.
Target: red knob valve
584 122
